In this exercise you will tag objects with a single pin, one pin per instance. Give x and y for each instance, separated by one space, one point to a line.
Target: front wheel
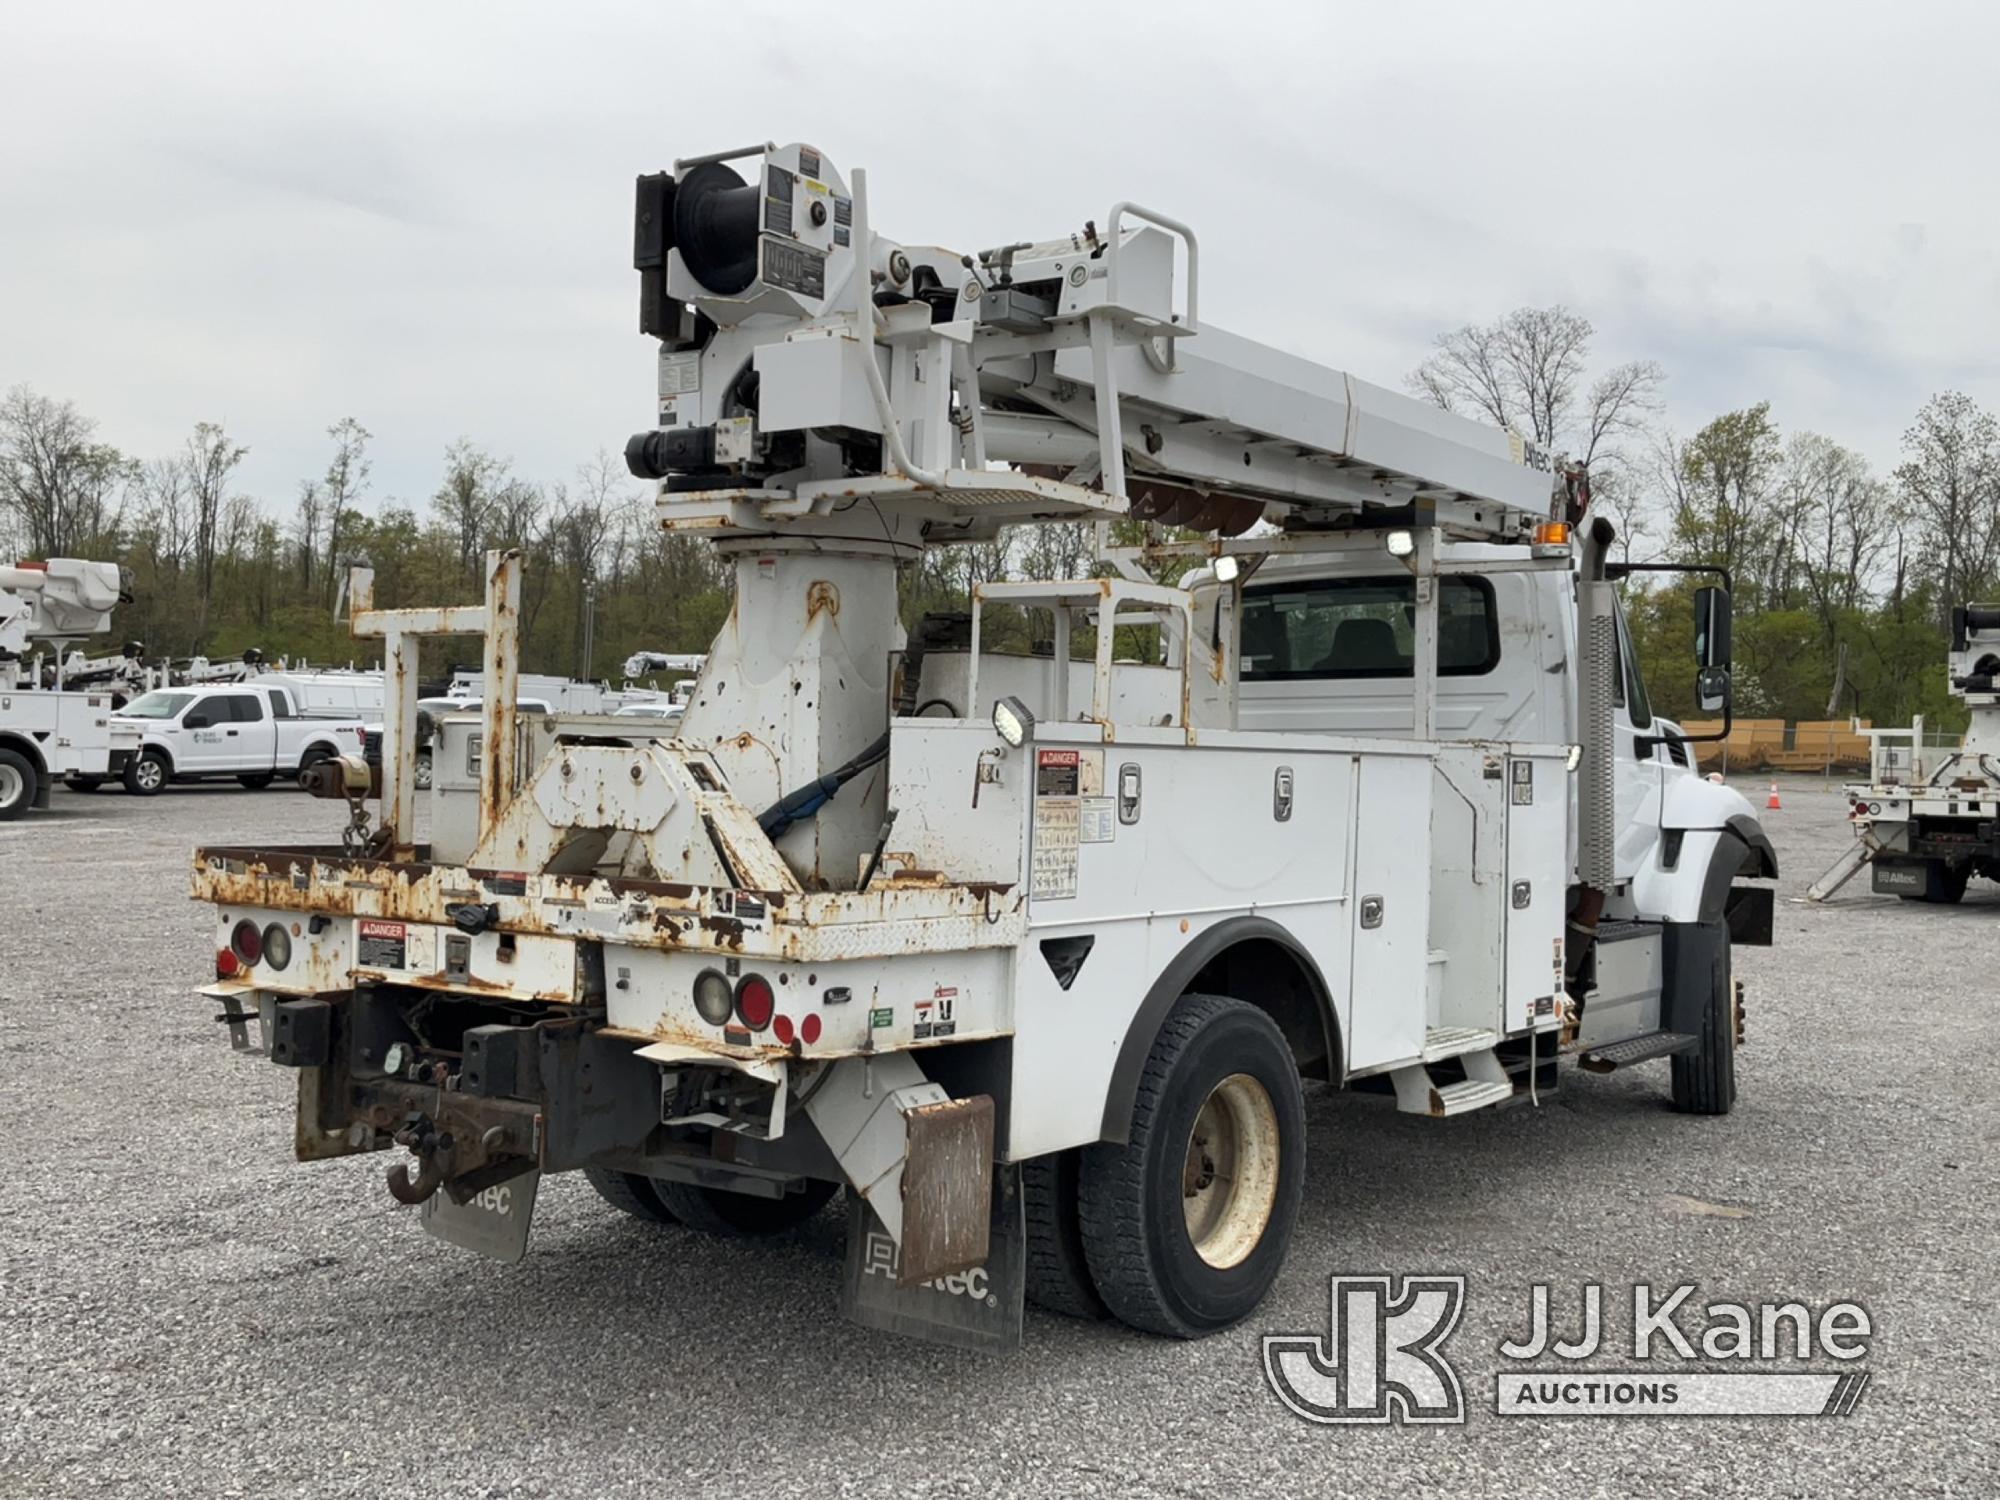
146 775
18 784
1704 1080
1185 1226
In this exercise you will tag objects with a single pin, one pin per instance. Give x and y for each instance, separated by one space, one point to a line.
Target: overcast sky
419 214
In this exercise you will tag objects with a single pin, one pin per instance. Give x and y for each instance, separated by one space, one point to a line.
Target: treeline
1844 577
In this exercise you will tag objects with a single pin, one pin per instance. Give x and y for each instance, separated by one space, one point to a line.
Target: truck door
202 742
1638 777
254 738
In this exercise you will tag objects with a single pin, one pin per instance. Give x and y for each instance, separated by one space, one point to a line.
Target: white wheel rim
1229 1181
12 785
423 775
149 774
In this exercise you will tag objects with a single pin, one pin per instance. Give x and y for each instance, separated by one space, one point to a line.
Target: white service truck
50 732
1028 954
253 732
1928 818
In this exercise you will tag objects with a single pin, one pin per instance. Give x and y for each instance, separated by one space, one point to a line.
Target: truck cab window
279 708
1332 628
1631 686
247 709
215 709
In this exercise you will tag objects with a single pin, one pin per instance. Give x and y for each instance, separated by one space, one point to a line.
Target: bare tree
59 484
1845 523
210 459
346 477
465 499
312 517
164 518
1528 372
1950 485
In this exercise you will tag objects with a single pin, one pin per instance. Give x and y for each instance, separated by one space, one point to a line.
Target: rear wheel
1944 884
256 781
1058 1273
1186 1225
146 774
423 770
1705 1079
741 1215
19 782
629 1193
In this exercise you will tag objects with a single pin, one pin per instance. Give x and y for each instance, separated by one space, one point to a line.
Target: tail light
277 946
712 999
754 1001
783 1030
225 964
809 1029
247 942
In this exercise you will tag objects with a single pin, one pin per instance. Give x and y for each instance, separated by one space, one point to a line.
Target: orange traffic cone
1774 805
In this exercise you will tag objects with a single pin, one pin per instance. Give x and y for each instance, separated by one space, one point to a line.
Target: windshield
156 706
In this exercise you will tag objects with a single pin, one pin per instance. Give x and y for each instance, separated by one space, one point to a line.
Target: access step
1471 1094
1452 1041
1486 1083
1637 1049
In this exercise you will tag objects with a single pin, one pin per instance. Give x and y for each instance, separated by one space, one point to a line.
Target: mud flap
494 1221
978 1308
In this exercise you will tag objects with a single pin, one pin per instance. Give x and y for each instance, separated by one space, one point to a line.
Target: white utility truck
1928 817
1035 976
252 731
49 732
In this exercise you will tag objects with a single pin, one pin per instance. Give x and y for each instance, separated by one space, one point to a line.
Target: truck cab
252 732
1327 646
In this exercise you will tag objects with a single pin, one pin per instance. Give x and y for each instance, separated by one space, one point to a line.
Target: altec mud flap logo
1382 1359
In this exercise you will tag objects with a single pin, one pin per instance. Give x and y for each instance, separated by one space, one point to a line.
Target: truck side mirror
1711 689
1711 629
195 721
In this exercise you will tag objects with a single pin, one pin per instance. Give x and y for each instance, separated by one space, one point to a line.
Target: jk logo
1380 1359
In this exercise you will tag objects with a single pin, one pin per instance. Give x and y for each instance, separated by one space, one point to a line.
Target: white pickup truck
255 732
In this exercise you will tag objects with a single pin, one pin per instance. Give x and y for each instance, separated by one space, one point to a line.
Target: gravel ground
186 1311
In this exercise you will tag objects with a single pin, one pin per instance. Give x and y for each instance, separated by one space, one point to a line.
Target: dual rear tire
710 1210
1181 1229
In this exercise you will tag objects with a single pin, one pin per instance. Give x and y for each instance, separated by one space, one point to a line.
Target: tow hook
429 1146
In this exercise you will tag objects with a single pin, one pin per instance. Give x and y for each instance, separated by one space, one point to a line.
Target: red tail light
809 1029
247 941
781 1028
755 1002
225 964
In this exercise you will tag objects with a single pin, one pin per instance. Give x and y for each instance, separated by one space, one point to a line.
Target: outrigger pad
979 1308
